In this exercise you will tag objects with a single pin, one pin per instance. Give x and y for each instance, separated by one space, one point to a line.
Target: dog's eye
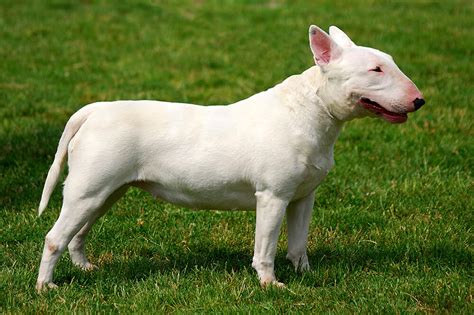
376 69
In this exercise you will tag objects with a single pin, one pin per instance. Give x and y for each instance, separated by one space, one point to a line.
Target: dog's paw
272 283
266 282
44 286
303 267
89 267
86 266
300 262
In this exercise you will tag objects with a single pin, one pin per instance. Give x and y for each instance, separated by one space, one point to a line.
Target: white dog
268 152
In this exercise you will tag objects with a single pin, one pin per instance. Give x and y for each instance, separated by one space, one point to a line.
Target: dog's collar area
378 110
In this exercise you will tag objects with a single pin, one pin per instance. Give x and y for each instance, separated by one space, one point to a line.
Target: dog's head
362 81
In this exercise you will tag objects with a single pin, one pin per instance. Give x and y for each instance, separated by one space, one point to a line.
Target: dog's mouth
374 107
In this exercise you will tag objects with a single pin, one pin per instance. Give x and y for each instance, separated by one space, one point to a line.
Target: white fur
268 152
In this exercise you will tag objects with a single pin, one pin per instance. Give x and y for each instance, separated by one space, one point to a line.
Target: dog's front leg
298 216
270 212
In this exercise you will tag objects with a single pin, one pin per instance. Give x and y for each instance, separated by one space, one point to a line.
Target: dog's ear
324 48
340 37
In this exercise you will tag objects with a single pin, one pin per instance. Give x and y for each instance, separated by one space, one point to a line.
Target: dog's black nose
418 103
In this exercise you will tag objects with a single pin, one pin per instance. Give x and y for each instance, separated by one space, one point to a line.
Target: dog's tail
72 127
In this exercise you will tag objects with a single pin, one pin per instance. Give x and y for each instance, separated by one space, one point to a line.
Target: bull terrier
268 152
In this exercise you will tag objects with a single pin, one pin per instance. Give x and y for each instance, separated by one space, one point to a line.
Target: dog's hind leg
76 246
82 202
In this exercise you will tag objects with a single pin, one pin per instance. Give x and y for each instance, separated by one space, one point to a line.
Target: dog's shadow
326 263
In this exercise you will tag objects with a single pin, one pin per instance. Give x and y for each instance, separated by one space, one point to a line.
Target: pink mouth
374 107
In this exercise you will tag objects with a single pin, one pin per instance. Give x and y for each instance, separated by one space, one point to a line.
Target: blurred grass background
392 227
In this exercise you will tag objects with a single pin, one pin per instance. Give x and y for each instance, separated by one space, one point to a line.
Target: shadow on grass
329 265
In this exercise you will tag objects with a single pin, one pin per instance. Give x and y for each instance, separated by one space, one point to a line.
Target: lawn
392 224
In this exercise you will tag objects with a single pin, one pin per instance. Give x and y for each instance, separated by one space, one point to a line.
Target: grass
392 227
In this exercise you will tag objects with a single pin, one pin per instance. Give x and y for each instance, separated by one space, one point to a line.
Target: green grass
392 227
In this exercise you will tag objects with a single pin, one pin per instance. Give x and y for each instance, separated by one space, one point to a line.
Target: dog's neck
311 103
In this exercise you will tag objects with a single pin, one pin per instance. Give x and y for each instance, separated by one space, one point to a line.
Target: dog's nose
418 102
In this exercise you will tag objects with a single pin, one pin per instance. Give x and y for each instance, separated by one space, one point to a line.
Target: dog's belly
216 198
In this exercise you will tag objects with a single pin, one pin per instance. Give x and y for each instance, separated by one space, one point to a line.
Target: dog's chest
314 152
313 176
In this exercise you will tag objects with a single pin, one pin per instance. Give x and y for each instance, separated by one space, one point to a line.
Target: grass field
392 226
